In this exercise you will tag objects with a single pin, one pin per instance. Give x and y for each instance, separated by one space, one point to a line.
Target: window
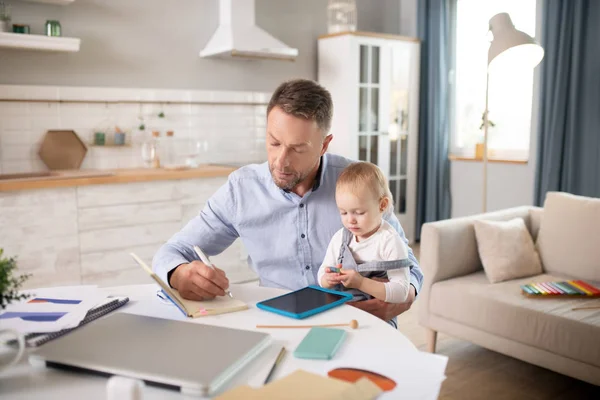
510 92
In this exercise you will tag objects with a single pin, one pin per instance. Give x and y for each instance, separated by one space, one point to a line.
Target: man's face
294 146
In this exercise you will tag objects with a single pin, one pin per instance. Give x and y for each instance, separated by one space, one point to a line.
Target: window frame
508 155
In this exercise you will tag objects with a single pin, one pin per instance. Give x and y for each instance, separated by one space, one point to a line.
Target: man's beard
287 185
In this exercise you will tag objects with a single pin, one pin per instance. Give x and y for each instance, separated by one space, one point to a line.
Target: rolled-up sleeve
416 275
213 230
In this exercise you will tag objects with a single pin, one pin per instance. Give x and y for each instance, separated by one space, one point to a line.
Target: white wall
229 133
155 44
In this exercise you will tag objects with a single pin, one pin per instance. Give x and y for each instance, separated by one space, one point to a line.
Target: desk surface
374 336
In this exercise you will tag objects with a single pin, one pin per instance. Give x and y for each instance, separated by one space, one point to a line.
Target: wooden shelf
57 179
38 42
56 2
111 145
454 157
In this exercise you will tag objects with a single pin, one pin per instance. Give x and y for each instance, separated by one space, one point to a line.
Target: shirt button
301 205
303 236
307 267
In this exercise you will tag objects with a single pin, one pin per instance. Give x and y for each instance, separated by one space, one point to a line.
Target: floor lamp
509 48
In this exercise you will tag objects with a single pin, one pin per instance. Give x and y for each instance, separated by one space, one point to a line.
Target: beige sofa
458 299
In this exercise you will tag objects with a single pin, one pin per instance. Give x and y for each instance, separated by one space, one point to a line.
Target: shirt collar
318 177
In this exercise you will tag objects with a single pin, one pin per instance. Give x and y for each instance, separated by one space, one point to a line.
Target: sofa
458 299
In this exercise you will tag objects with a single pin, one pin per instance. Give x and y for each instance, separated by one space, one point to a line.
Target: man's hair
305 99
360 176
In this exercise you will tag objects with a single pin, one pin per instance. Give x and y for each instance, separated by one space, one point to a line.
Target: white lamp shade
510 47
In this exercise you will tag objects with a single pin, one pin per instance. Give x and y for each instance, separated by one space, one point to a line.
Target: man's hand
383 310
196 281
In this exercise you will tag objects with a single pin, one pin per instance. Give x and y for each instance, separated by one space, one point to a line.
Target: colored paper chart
53 301
34 316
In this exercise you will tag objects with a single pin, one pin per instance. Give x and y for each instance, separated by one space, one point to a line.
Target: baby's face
361 212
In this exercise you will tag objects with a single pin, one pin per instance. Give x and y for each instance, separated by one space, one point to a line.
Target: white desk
373 338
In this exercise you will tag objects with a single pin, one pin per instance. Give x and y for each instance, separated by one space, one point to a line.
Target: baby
368 246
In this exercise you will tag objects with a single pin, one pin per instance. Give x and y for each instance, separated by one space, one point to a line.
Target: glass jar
53 28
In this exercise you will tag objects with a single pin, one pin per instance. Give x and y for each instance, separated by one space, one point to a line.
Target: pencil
209 264
275 364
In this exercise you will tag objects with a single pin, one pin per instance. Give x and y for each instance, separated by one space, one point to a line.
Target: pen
206 261
275 364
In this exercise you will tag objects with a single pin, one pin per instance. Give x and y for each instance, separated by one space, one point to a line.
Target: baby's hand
331 277
351 278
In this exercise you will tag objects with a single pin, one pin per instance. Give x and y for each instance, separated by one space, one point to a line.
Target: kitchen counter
78 227
61 179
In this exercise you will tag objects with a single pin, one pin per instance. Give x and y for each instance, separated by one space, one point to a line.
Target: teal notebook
320 343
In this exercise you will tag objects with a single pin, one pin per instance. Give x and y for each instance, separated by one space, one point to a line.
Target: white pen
206 261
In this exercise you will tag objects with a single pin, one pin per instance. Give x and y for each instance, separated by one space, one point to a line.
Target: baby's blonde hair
363 175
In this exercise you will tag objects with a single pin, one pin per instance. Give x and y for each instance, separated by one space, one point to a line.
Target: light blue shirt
286 236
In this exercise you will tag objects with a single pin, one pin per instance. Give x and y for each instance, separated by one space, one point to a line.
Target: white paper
87 296
418 375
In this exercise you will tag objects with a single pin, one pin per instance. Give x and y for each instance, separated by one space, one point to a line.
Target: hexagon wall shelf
62 150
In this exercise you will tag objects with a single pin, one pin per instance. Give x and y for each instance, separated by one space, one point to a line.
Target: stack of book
575 288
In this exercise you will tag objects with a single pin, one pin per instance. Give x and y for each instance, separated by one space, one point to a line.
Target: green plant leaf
9 284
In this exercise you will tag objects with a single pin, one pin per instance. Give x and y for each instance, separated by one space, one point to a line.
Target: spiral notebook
37 339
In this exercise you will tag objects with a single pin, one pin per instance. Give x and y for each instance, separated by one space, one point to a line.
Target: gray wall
152 43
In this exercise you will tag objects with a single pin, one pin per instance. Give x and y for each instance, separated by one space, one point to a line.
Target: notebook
196 358
191 308
38 339
194 309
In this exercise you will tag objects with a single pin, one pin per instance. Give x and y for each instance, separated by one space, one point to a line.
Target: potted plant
479 146
10 284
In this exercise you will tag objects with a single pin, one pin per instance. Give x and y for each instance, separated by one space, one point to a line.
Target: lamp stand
485 142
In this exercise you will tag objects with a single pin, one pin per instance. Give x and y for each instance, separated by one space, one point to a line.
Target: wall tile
116 260
15 152
127 215
133 276
134 193
15 137
16 123
218 124
15 167
126 237
14 109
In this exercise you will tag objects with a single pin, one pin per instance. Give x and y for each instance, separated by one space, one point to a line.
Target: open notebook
191 308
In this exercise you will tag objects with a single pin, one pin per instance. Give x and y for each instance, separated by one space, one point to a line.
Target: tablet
305 302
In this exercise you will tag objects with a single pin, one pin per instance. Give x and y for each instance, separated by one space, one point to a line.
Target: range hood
238 36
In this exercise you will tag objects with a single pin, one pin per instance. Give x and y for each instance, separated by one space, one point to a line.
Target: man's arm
416 275
212 230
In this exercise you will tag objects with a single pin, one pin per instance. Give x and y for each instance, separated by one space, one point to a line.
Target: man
284 210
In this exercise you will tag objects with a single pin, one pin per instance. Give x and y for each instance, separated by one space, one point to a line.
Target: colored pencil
591 288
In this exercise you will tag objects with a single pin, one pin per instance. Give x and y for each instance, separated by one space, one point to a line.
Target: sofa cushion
506 249
569 237
535 219
501 309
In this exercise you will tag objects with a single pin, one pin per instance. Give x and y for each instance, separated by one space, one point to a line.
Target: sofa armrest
449 249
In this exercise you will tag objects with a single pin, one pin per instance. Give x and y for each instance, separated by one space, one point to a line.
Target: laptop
194 358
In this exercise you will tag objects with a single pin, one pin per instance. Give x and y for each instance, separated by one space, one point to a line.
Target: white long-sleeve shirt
383 245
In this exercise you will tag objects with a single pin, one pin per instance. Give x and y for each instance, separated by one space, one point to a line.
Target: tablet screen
303 300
